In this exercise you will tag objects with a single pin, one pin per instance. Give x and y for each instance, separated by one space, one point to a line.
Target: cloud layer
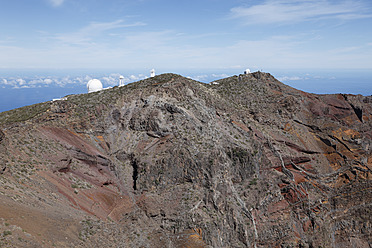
64 81
289 11
110 80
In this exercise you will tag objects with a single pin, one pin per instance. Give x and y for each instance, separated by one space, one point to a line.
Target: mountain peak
245 161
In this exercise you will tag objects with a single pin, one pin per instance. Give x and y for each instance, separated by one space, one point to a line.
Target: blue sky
51 48
170 35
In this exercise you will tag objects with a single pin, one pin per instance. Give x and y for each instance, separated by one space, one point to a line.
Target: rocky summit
245 161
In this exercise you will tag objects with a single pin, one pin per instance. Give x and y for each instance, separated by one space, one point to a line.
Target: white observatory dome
94 85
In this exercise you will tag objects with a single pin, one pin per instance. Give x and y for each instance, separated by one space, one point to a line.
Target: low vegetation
24 113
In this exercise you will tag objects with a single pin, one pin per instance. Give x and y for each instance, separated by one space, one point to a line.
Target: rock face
171 162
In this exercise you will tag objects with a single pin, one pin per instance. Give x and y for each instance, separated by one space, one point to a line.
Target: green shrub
74 186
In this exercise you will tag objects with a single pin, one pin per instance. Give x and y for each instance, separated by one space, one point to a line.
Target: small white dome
247 71
94 85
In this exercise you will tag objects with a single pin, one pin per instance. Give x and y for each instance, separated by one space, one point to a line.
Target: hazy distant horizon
24 87
324 43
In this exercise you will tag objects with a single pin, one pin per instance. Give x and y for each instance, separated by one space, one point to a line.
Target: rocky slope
171 162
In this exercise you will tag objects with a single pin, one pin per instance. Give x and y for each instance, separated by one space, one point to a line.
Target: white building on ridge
94 85
152 73
121 82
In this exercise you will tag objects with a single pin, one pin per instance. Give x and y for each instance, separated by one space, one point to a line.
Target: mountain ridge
246 162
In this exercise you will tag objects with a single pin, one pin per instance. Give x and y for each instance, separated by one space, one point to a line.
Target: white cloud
113 79
56 3
289 11
290 78
223 75
208 77
199 77
95 29
21 81
48 81
65 81
87 48
345 49
169 53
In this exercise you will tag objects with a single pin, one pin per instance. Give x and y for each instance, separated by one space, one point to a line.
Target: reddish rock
171 162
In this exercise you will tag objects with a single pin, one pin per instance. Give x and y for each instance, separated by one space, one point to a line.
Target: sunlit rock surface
171 162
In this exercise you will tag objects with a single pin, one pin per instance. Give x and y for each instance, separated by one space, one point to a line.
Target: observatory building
152 73
94 85
247 71
121 82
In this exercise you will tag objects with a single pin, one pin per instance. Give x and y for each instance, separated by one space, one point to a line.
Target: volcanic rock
172 162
